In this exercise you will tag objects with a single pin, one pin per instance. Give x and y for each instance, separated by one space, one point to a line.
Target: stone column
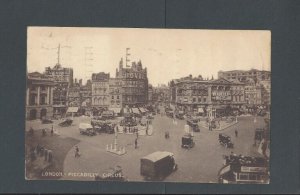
209 95
51 95
27 97
38 95
48 95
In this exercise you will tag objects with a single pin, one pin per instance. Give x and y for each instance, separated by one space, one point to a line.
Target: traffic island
114 148
222 125
118 150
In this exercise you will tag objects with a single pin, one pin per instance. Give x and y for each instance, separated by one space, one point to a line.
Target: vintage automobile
158 165
66 123
187 141
128 121
86 129
112 174
107 114
194 125
170 113
179 116
150 116
105 127
225 140
46 121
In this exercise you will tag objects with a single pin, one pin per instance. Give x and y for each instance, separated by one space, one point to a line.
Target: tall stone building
39 96
86 98
63 79
134 84
252 93
100 90
212 97
244 75
258 85
115 92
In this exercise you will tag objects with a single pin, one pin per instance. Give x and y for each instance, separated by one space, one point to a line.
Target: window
204 99
194 99
253 177
243 176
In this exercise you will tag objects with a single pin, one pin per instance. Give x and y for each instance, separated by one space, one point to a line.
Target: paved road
199 164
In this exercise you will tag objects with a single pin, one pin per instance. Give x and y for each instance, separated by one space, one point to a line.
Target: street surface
199 164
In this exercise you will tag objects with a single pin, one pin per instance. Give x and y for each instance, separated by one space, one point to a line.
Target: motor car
106 127
194 125
86 129
225 140
179 116
157 165
46 121
67 122
187 142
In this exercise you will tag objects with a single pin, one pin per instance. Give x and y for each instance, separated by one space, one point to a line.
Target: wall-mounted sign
221 95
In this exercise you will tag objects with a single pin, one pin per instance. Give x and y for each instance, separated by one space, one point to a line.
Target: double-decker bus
244 170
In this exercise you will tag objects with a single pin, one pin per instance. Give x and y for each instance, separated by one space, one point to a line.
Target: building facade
150 94
207 96
258 85
100 90
244 75
86 98
266 92
115 92
134 84
252 93
39 96
63 79
161 93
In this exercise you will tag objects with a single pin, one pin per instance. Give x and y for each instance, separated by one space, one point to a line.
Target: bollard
107 147
111 147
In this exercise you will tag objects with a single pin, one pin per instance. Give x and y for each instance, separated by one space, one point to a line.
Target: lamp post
116 139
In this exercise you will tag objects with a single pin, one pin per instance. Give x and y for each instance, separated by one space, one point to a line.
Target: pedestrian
52 131
46 154
236 133
135 143
137 133
50 156
76 152
43 132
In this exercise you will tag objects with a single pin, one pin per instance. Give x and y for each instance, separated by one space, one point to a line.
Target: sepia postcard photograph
142 104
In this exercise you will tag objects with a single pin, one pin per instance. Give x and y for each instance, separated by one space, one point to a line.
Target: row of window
250 176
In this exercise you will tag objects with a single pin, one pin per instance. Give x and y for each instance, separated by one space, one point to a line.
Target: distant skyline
167 53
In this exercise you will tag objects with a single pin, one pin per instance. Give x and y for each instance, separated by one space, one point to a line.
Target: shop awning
115 110
72 109
200 110
135 110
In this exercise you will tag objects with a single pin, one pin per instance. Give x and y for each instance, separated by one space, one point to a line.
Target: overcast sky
167 53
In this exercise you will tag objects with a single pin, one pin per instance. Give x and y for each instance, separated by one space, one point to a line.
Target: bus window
243 176
253 177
